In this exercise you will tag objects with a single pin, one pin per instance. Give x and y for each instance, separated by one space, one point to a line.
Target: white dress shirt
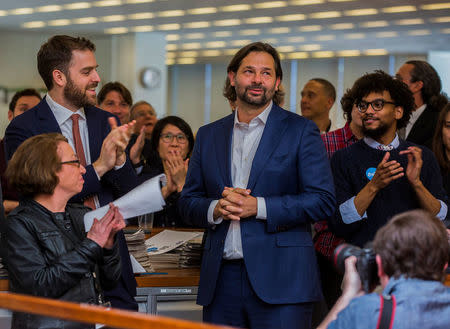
245 142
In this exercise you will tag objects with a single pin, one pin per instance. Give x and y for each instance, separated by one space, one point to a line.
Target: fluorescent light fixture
399 9
113 18
77 5
227 22
85 20
21 11
211 53
171 55
240 43
33 25
325 14
348 53
412 21
342 26
195 36
375 52
444 19
296 39
191 53
215 44
279 30
138 1
116 30
259 20
171 13
171 47
361 12
197 25
145 15
298 55
445 31
3 13
202 11
305 2
143 28
172 37
311 47
387 34
49 8
191 45
285 49
325 37
107 3
310 28
355 36
169 27
323 54
290 18
436 6
59 22
223 34
270 4
250 32
341 0
419 32
374 24
241 7
186 60
170 61
230 52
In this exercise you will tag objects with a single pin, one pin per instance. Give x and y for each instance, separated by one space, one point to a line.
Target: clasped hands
387 171
235 204
113 148
103 231
175 169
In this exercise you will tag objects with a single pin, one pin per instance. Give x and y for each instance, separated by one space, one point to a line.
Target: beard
244 95
376 132
78 96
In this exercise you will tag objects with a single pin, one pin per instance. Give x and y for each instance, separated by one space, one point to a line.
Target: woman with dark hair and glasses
171 143
47 251
441 145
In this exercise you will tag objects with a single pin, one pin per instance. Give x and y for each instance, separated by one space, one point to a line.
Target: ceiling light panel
419 32
270 4
172 37
354 36
223 34
310 28
227 22
202 11
398 9
325 37
116 30
240 43
323 54
3 13
191 53
59 22
33 25
305 2
49 9
211 53
77 5
216 44
445 19
374 24
171 47
113 18
436 6
169 27
375 52
279 30
186 60
107 3
171 13
325 14
290 18
311 47
85 20
361 12
191 45
413 21
342 26
195 36
143 28
298 55
138 1
145 15
241 7
387 34
348 53
250 32
21 11
259 20
285 49
296 39
445 31
197 25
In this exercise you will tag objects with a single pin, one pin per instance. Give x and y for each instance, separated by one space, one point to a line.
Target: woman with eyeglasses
172 142
47 251
441 145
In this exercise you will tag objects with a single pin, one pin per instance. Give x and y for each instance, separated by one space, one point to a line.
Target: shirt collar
418 111
61 113
374 144
262 117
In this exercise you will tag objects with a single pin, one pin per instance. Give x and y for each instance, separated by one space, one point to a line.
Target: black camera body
365 264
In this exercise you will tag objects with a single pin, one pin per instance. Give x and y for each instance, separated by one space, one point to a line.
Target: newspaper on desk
166 248
144 199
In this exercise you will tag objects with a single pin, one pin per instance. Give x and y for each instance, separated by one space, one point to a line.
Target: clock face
150 77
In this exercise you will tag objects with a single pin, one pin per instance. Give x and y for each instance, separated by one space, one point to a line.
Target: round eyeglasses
377 105
168 138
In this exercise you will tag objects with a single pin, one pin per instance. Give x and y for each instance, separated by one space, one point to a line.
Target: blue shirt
420 304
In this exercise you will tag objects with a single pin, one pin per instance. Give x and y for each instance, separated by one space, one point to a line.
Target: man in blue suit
257 179
69 70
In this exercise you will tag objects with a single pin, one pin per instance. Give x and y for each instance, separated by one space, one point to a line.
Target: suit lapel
273 132
223 140
46 118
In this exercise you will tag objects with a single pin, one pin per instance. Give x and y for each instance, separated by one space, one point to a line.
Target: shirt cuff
442 214
138 170
121 166
211 220
349 213
262 210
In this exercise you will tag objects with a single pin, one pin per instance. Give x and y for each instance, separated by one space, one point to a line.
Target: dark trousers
236 304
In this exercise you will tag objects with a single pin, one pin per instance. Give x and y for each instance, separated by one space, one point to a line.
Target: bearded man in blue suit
257 179
69 70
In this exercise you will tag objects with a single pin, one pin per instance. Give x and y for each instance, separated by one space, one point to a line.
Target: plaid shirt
324 241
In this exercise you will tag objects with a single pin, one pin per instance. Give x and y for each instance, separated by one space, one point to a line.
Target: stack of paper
174 249
137 247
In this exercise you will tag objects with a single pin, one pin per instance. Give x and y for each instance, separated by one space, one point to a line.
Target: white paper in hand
144 199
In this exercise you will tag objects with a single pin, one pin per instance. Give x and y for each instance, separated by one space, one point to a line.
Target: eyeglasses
74 162
168 138
377 105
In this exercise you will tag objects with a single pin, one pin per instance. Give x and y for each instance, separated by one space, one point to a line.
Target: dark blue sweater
349 167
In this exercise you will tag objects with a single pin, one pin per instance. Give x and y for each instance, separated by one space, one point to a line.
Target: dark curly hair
21 93
413 244
347 102
380 81
229 91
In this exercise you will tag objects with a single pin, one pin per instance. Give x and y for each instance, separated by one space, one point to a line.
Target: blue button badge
370 173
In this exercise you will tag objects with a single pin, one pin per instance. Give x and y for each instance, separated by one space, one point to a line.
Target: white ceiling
194 37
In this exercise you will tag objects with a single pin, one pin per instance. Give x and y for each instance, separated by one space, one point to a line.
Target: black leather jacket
48 255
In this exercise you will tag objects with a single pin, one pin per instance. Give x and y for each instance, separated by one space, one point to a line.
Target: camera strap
388 304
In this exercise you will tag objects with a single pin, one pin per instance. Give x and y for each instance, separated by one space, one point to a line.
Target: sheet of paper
144 199
168 240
